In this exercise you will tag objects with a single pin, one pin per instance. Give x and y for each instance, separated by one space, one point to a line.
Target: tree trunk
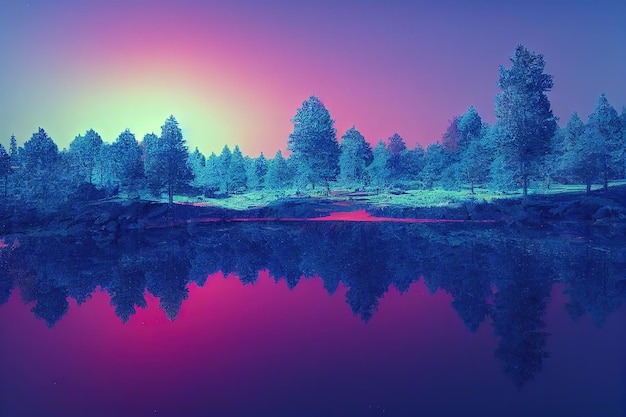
472 185
588 183
606 180
525 187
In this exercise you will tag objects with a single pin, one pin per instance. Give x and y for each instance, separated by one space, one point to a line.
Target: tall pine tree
523 112
313 144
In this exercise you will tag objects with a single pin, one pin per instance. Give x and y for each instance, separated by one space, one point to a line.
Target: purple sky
235 72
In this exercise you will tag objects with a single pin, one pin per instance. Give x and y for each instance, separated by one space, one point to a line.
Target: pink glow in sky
235 72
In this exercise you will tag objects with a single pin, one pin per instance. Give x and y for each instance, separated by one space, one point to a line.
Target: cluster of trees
524 144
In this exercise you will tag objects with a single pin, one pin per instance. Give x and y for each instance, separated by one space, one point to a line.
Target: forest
524 148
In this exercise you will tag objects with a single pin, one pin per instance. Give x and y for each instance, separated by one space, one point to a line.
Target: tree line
524 144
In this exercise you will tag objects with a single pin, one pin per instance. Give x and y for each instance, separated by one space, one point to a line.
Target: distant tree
127 153
576 162
604 130
257 172
84 151
397 149
412 162
104 170
237 176
474 159
378 170
623 120
5 167
212 173
450 140
197 165
223 168
313 144
524 114
38 158
166 162
435 162
277 172
13 152
355 156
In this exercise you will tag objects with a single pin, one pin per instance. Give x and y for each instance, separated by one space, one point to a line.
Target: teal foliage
355 156
313 144
525 119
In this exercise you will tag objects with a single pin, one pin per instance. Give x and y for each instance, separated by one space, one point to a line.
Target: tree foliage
166 160
313 143
524 115
355 156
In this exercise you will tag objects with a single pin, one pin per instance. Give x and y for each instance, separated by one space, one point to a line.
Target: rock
609 212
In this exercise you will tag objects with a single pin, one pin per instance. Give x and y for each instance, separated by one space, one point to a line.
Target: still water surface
314 319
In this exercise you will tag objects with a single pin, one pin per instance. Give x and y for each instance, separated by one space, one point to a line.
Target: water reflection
490 273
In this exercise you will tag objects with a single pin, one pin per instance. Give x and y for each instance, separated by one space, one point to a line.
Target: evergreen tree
378 170
355 155
604 130
277 172
5 167
396 148
126 156
412 161
450 139
313 144
224 168
13 150
524 115
197 165
623 120
257 173
435 162
166 163
574 155
473 164
237 177
38 158
212 173
84 151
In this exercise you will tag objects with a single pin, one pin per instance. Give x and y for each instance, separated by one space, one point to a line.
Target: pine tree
396 148
13 150
39 162
355 155
258 172
84 151
197 165
623 120
126 161
435 162
575 161
313 144
223 168
237 177
473 165
277 172
524 115
5 167
604 129
166 160
378 170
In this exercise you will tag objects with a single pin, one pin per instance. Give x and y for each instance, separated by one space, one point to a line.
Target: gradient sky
234 72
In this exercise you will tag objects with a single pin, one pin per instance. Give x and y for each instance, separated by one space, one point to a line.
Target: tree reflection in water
489 272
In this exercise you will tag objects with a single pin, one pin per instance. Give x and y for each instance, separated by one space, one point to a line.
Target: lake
315 318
